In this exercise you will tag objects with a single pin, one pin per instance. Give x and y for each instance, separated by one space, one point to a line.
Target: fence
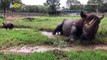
42 14
24 14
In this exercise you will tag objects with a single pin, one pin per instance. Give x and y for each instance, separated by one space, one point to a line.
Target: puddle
27 49
22 29
101 47
48 34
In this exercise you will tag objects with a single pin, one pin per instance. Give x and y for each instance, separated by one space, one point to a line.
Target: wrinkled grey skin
70 28
91 26
84 28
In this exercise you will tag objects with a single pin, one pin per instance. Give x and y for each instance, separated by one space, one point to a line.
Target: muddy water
26 49
22 29
48 34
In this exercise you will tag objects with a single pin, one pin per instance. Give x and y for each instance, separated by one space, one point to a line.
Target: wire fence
46 14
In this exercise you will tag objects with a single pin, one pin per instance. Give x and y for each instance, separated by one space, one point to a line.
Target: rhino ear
83 15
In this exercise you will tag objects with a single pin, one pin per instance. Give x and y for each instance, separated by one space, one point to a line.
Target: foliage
103 8
95 5
96 2
5 4
73 4
90 8
53 6
34 9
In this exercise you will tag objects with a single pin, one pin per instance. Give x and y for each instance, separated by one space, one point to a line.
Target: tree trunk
4 13
97 10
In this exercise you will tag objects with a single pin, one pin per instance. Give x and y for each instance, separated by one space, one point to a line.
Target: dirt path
29 49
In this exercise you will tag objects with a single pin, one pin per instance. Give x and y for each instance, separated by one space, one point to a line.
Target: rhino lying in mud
84 28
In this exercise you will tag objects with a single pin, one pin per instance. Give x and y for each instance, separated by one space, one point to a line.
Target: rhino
84 28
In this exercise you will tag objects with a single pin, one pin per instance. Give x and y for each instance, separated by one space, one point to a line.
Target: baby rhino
8 25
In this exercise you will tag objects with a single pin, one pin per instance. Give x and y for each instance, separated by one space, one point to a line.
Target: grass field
33 36
85 55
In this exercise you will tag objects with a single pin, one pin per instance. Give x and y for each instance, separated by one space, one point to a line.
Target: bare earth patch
29 49
48 34
22 29
26 49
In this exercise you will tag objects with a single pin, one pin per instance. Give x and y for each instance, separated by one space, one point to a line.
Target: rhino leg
73 33
58 29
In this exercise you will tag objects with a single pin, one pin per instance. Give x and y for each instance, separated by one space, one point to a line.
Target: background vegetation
28 31
32 35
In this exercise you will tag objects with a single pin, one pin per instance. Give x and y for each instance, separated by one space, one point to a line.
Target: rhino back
67 27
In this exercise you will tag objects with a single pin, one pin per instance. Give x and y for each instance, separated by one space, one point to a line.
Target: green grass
49 23
102 31
34 56
16 37
87 55
73 55
46 23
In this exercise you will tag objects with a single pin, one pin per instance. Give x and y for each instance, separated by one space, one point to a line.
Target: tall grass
58 55
16 37
43 22
34 56
33 36
102 31
87 55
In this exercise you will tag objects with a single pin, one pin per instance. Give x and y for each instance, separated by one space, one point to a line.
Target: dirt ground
31 49
26 49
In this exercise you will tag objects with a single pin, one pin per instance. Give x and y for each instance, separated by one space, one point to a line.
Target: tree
95 4
73 4
104 8
34 9
5 4
53 6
